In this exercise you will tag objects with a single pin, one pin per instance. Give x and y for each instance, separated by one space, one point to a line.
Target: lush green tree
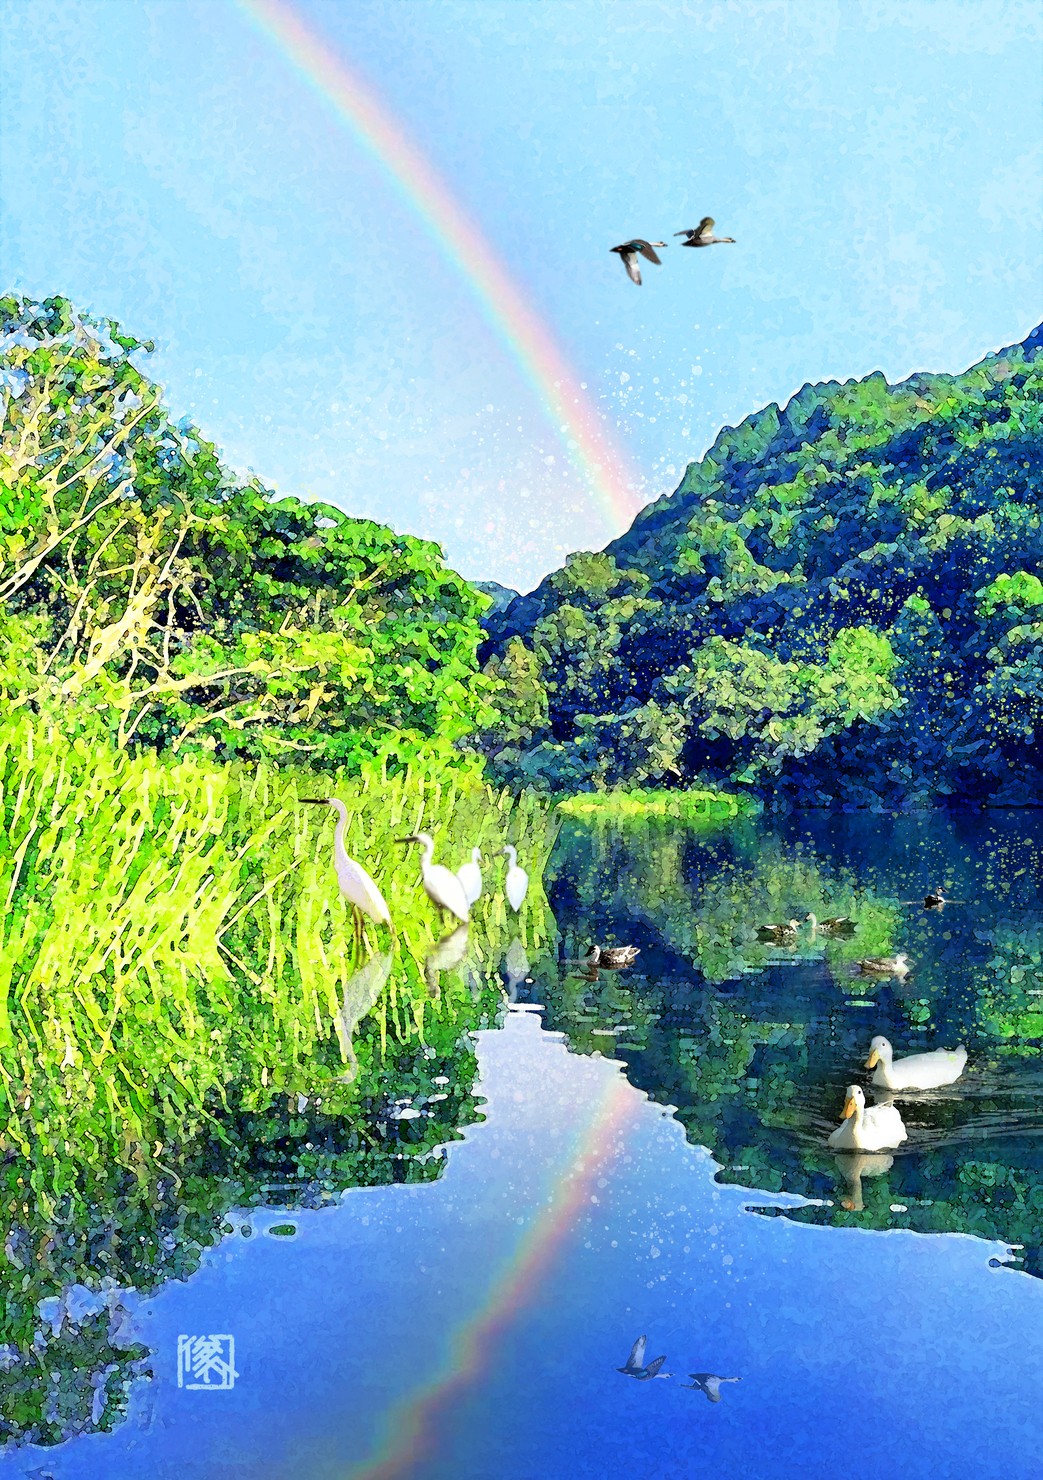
189 609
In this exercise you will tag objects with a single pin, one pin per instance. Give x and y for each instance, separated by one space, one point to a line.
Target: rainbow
504 305
409 1428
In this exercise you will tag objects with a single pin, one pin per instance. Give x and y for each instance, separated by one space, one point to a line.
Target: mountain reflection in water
755 1043
473 1327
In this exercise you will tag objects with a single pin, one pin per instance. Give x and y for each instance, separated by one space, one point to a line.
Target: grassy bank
186 1018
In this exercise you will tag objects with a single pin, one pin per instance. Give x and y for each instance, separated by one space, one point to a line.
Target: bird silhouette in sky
628 251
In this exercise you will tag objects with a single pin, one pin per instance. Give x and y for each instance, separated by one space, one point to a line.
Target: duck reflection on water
708 1383
635 1363
852 1167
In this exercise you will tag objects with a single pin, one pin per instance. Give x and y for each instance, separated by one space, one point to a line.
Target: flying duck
635 1366
702 235
629 250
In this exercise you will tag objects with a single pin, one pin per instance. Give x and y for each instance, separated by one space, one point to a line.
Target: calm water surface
472 1326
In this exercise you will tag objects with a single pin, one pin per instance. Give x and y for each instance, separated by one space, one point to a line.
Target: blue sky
881 166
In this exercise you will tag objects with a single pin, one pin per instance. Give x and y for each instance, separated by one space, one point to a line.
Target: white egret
441 885
355 884
517 879
470 876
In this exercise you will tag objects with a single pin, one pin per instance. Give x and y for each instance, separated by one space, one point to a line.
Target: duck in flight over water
635 1366
708 1383
628 252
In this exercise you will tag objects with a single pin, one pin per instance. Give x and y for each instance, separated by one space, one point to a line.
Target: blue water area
472 1328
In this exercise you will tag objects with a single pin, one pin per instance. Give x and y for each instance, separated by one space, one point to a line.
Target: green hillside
148 593
840 603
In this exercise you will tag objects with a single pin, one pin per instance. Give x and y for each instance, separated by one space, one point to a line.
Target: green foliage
178 607
519 696
183 655
177 966
680 806
1021 591
839 602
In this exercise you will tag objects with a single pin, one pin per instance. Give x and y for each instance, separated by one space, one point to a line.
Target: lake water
472 1325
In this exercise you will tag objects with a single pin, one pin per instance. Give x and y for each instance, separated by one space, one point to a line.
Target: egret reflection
361 991
516 967
444 955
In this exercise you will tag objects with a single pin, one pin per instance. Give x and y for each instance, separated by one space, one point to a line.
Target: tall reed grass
175 958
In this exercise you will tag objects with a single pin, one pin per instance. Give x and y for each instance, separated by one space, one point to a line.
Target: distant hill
840 603
502 596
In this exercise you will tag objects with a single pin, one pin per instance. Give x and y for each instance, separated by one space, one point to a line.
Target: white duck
918 1071
517 880
470 876
862 1129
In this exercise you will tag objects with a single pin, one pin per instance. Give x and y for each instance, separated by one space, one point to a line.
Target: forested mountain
841 601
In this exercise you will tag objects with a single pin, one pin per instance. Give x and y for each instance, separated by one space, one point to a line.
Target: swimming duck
936 900
628 252
635 1365
779 933
919 1070
611 957
834 925
702 235
708 1383
885 965
867 1129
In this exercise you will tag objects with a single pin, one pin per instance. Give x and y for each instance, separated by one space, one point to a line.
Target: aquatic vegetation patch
687 805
